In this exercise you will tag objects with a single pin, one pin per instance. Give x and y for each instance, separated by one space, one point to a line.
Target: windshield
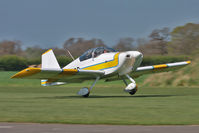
87 55
100 50
95 52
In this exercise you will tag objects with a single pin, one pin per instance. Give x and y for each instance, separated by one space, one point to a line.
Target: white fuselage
113 62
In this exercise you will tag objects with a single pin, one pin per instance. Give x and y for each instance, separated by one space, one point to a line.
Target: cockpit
94 52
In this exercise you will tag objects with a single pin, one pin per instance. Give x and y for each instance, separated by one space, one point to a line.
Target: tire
86 95
84 92
133 91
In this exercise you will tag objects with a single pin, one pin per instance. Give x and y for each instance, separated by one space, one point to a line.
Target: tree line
182 40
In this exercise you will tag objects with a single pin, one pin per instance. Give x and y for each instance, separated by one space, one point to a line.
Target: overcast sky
49 23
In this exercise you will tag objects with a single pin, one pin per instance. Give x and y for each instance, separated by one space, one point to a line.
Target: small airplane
96 63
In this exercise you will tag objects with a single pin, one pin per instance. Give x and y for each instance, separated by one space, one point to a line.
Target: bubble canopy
94 52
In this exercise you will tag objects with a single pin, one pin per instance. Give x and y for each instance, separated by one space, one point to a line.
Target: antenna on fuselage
70 54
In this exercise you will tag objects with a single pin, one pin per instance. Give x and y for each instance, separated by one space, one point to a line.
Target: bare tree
125 44
10 47
157 45
160 34
77 46
34 51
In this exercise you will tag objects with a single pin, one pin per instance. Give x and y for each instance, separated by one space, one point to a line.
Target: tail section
49 60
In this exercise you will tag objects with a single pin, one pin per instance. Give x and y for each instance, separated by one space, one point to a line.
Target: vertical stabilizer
49 60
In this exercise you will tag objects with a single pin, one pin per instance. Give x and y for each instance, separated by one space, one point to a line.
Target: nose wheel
132 87
132 92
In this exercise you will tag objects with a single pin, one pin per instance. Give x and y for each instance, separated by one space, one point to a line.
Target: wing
151 69
65 75
158 68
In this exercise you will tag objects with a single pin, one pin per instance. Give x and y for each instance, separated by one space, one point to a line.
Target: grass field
27 101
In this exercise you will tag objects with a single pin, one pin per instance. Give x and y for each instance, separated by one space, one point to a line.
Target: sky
48 23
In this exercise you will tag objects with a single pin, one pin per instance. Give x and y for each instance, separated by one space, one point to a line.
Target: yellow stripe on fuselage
105 65
68 72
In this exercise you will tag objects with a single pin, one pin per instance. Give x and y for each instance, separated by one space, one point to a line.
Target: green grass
27 101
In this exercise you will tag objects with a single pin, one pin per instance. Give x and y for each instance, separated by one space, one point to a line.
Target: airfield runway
69 128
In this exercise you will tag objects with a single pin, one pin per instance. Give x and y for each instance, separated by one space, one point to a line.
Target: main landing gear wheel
84 92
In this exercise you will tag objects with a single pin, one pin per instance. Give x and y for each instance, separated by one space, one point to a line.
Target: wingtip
26 72
188 62
15 75
12 77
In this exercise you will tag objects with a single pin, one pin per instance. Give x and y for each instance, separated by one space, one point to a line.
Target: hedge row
12 63
15 63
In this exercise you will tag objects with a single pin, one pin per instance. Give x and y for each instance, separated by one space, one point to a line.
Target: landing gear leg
132 87
86 91
133 81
